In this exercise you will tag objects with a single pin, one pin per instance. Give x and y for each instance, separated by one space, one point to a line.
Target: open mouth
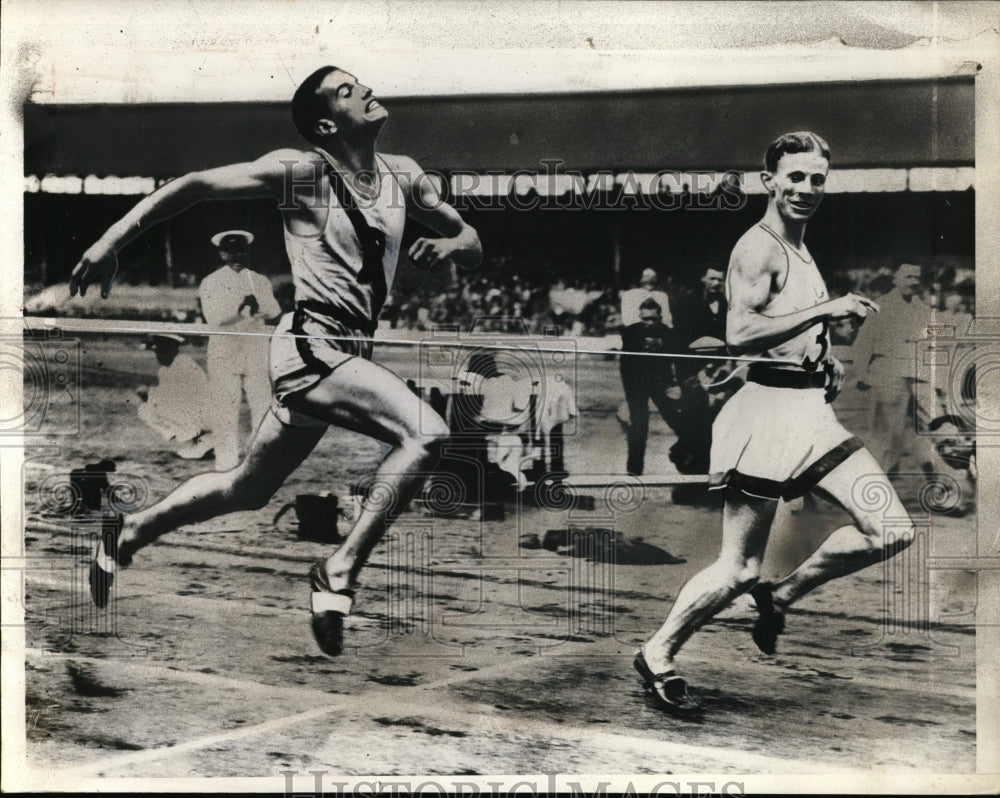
372 105
801 206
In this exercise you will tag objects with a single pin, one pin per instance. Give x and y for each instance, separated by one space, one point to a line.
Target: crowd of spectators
504 295
511 295
507 295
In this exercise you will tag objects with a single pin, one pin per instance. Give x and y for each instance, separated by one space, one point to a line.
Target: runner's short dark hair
651 304
791 143
307 105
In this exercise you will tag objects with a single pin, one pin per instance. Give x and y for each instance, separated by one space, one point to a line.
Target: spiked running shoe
329 608
669 691
107 560
770 621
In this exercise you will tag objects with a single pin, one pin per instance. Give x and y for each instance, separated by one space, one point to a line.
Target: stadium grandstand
569 211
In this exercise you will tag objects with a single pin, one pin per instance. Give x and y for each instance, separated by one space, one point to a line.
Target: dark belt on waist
337 314
763 374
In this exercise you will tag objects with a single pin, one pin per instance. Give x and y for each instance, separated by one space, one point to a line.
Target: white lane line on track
123 760
444 710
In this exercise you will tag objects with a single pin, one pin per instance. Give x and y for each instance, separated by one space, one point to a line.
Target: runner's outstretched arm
259 178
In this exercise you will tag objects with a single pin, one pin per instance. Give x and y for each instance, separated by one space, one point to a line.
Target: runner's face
798 184
352 104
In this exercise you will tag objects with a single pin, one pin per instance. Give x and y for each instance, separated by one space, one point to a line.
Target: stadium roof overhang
886 129
678 86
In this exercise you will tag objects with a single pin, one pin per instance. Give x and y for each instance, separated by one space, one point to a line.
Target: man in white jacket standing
240 302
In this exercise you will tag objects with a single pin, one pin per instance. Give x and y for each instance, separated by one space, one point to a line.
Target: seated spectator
176 407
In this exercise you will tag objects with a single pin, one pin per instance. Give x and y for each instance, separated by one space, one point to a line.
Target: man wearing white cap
240 302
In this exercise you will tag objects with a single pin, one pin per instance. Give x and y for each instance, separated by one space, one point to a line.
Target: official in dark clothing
700 313
702 396
646 378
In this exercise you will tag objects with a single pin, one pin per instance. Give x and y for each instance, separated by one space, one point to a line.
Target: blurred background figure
886 360
701 313
955 443
240 302
950 302
633 298
703 394
646 378
176 406
951 326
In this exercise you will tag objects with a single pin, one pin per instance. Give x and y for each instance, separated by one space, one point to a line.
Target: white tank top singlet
804 288
328 268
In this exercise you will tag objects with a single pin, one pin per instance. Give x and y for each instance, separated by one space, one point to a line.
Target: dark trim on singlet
338 314
372 273
313 363
371 238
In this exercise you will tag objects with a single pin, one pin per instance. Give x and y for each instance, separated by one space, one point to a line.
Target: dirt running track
469 654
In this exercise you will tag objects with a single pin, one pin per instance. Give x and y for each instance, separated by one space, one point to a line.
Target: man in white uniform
778 437
240 302
344 207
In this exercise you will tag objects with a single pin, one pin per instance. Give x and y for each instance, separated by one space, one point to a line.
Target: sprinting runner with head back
344 206
778 437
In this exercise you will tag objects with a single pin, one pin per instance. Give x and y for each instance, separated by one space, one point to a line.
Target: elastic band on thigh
810 478
294 418
758 487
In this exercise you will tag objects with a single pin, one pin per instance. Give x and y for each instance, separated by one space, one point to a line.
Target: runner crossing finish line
344 206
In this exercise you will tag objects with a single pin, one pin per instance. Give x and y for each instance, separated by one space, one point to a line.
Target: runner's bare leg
745 528
275 451
364 397
878 532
